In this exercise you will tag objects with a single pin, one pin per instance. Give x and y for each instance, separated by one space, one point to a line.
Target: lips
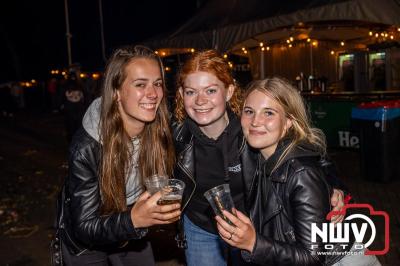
257 132
202 110
148 106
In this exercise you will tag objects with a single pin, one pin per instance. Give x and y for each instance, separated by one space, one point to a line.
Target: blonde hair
208 61
156 153
294 108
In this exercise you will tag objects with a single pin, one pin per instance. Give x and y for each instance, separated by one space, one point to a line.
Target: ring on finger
230 236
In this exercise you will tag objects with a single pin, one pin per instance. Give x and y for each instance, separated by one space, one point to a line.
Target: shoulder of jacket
181 133
82 142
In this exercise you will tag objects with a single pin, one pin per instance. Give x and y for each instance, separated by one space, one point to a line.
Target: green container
333 116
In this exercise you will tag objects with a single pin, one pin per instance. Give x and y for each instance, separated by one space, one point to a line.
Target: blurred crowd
68 95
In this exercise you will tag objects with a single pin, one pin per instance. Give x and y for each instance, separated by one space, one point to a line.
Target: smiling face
140 94
204 98
263 122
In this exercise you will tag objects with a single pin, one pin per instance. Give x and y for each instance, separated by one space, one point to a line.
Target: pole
103 45
68 33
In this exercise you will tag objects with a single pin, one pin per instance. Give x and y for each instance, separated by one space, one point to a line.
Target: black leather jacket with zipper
80 223
286 201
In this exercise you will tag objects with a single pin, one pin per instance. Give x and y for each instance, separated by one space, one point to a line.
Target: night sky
33 40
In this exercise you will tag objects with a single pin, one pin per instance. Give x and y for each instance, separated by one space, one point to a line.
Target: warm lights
225 56
263 49
341 43
82 75
332 52
95 75
370 33
290 45
156 52
163 53
291 39
314 43
261 44
391 37
192 50
167 69
308 40
268 48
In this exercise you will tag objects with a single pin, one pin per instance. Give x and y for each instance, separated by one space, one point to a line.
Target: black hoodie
216 162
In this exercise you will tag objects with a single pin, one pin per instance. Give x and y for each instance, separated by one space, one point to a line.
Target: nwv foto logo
331 234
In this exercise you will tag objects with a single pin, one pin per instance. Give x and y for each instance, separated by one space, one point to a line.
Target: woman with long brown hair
125 138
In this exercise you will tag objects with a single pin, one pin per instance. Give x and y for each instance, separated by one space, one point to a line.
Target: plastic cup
172 192
155 183
220 199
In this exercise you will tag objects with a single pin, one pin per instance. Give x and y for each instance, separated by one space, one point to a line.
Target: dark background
33 33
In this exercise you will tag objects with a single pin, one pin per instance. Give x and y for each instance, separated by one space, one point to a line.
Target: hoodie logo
235 169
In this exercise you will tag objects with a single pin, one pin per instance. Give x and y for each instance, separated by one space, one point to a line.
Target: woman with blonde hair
104 210
291 191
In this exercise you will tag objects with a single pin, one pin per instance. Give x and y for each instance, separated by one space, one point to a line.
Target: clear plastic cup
172 192
220 199
155 183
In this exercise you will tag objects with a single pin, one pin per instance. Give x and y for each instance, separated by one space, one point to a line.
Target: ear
288 125
230 91
117 93
181 92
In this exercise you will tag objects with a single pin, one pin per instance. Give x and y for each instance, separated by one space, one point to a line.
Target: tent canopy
228 24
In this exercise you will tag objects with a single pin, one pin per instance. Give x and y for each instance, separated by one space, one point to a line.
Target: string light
332 52
263 49
371 33
341 43
291 39
308 40
225 56
192 50
268 48
261 44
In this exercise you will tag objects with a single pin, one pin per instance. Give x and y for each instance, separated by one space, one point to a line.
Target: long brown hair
207 61
294 108
156 153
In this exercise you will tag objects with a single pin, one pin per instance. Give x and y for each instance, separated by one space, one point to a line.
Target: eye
269 113
247 111
211 91
188 92
139 85
158 84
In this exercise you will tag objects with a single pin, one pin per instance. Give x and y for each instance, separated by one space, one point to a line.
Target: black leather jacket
285 203
82 225
185 164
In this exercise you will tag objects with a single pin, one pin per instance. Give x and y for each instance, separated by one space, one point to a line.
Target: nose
201 99
151 92
256 120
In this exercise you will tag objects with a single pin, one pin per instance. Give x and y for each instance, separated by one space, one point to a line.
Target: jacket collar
280 174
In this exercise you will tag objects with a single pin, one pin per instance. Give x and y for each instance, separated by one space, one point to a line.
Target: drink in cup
220 199
172 192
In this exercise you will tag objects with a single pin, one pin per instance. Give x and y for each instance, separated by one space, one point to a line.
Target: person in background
211 151
104 211
291 192
74 106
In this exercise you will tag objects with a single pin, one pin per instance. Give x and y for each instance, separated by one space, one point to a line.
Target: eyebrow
206 87
265 108
143 79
